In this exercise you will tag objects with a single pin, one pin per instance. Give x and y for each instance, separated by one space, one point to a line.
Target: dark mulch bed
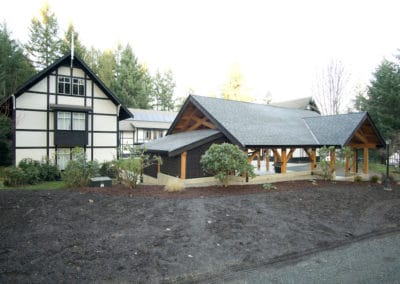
146 235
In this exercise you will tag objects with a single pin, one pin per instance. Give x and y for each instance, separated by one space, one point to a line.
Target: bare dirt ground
146 235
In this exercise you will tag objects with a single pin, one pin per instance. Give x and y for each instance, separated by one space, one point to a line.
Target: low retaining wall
163 179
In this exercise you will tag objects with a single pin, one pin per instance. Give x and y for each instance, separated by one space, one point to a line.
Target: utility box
101 182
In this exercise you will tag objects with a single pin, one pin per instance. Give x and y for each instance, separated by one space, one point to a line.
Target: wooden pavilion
258 128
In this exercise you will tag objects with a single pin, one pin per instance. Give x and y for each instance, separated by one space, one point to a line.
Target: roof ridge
243 102
311 132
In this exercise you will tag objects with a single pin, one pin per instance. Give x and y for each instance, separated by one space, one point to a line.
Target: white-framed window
78 121
161 134
64 120
63 157
78 87
64 86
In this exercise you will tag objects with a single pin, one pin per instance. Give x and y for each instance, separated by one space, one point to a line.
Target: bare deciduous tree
330 87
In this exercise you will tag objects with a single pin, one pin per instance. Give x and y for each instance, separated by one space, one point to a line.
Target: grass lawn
44 185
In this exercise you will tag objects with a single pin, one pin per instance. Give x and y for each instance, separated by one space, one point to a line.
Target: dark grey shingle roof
335 130
152 115
256 124
175 143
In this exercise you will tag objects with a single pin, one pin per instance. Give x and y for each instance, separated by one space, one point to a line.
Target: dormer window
64 86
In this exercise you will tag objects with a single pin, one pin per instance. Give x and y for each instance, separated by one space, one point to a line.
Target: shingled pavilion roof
251 125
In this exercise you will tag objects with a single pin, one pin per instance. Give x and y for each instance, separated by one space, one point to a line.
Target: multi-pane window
71 120
64 86
78 121
64 120
78 87
63 157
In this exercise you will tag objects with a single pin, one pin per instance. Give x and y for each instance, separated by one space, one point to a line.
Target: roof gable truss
365 136
193 119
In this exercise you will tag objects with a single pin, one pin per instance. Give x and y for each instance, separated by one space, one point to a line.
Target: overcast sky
279 45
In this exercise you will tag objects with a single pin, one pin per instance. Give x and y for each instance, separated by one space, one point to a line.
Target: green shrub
129 171
324 164
78 171
268 186
14 176
374 179
31 169
49 171
358 179
109 169
223 160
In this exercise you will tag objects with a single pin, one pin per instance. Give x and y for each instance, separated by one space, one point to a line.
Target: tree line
119 69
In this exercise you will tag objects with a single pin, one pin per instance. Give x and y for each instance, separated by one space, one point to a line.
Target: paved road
374 260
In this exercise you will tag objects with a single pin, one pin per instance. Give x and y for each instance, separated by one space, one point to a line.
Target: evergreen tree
106 67
164 85
6 153
79 48
133 84
44 44
15 67
383 101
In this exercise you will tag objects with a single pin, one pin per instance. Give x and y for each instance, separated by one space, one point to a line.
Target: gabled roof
256 125
338 130
250 124
77 63
184 141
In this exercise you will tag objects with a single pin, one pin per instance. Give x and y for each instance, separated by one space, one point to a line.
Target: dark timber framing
44 123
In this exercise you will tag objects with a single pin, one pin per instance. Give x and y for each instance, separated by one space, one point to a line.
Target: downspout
118 138
14 124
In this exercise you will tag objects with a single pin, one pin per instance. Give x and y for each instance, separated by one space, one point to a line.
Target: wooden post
183 165
267 159
158 166
313 159
365 169
259 159
332 160
283 160
354 160
347 164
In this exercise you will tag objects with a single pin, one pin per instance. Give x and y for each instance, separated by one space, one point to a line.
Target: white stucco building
62 107
145 126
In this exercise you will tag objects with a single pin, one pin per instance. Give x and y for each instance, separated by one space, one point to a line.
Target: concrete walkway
375 260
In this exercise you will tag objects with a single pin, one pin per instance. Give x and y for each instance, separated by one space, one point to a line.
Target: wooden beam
347 164
361 137
283 160
358 145
267 151
366 161
355 160
183 165
251 158
201 121
332 162
289 156
277 156
312 154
